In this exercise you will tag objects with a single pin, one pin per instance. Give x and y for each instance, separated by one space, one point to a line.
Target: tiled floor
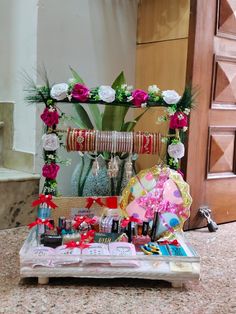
214 294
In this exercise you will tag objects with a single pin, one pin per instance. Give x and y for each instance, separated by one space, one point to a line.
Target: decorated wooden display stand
135 235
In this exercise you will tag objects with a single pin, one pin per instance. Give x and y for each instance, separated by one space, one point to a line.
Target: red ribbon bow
80 219
44 199
85 241
88 236
40 221
126 221
174 242
92 200
73 244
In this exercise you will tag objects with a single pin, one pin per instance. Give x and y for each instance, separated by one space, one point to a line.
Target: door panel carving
221 152
227 18
224 83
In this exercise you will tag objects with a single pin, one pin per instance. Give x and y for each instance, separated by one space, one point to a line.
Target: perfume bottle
44 211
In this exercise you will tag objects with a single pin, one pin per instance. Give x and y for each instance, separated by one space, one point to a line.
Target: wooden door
211 157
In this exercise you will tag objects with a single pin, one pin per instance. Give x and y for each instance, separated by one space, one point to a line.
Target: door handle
205 212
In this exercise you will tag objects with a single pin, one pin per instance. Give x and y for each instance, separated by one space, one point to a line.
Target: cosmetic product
44 211
121 249
52 241
164 250
76 237
41 230
129 231
84 227
63 250
145 228
115 226
106 224
68 225
140 240
108 237
48 230
140 229
40 251
122 238
96 249
154 227
176 250
151 249
61 222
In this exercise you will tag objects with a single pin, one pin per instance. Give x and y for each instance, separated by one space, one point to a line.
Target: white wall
97 38
18 30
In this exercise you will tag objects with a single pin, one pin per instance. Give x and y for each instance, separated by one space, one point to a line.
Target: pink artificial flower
80 92
50 170
178 120
139 97
50 116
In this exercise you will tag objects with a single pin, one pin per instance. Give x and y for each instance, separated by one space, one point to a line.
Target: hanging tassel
129 168
95 167
115 167
110 167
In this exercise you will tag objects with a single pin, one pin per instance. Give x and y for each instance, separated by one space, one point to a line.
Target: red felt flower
50 170
178 120
80 92
139 97
50 116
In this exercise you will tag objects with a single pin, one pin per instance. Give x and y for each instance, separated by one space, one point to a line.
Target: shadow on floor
93 282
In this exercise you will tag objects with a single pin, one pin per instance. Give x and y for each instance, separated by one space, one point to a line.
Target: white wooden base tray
175 269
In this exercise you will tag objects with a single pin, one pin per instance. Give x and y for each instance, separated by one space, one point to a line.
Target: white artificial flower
129 88
144 105
59 91
107 93
171 111
164 140
185 128
130 98
176 150
153 89
50 142
171 97
72 80
187 111
180 116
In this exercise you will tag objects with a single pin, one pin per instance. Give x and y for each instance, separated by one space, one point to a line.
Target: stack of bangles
112 141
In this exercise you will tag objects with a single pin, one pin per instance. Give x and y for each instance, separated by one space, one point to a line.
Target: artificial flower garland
119 94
